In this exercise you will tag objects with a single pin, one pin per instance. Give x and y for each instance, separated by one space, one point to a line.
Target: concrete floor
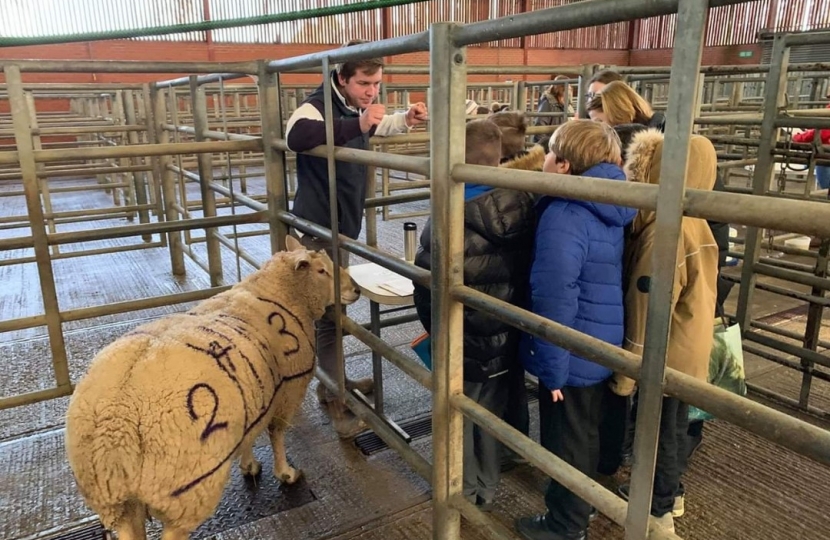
739 486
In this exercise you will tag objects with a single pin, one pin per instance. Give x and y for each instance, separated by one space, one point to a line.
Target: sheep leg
284 472
131 524
247 462
174 533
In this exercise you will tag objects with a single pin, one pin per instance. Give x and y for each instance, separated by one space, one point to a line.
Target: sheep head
318 272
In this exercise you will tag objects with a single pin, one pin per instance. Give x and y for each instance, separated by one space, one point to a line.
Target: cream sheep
154 426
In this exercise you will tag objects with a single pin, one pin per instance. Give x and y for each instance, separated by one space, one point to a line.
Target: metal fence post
200 122
775 95
271 118
683 92
448 76
21 119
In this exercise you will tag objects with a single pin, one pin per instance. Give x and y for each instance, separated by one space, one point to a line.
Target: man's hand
417 114
371 116
557 395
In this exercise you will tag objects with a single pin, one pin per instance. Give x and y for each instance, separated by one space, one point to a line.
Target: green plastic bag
726 366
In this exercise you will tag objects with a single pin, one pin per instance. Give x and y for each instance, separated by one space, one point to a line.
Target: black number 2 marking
211 426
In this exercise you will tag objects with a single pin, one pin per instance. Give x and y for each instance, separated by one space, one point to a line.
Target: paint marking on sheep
211 427
296 319
190 485
218 353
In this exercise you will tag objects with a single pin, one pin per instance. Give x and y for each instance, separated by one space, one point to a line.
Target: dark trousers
570 429
672 452
482 451
516 412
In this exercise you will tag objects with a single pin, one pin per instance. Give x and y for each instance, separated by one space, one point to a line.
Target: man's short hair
585 143
349 68
513 129
605 76
483 143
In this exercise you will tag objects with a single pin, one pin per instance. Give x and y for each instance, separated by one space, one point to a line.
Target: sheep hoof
253 470
290 476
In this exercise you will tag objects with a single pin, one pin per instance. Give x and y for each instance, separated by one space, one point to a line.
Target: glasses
591 95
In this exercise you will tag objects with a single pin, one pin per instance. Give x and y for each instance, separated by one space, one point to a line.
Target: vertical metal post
43 183
139 178
148 101
200 122
377 358
271 117
371 213
448 76
683 92
775 95
162 171
584 77
28 170
340 375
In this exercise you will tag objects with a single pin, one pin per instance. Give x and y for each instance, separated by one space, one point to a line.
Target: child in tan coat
693 303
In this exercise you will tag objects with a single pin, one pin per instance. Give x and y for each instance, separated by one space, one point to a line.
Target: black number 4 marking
211 427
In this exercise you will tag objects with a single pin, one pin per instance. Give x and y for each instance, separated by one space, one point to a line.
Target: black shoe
484 505
536 528
627 459
593 515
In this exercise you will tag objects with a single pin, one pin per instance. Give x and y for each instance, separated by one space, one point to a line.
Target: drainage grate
93 531
417 428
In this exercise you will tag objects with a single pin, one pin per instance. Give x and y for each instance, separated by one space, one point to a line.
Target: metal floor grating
92 531
369 443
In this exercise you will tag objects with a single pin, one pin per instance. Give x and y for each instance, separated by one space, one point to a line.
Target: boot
364 386
345 423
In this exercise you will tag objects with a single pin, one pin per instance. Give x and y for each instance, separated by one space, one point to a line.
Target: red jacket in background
807 136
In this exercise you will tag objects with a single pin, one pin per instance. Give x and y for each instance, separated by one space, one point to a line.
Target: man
355 86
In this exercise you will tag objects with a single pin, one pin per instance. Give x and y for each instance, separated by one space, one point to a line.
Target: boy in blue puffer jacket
576 281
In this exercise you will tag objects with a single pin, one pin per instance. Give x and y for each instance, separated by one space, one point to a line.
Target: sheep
154 426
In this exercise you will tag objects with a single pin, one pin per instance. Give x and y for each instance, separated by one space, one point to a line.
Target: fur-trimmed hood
530 160
645 157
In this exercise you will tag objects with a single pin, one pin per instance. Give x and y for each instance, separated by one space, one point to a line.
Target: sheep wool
154 426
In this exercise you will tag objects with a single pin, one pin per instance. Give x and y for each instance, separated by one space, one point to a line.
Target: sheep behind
154 426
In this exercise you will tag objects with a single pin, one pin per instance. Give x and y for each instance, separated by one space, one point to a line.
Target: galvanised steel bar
570 16
334 208
448 75
200 119
121 66
802 216
413 164
144 150
372 254
22 122
605 501
683 95
775 90
374 49
161 162
787 431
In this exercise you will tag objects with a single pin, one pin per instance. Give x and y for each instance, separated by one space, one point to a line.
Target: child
693 303
498 234
576 281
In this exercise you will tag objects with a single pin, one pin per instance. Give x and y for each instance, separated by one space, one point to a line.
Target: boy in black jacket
498 239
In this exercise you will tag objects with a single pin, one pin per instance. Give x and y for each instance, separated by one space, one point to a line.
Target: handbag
422 345
726 365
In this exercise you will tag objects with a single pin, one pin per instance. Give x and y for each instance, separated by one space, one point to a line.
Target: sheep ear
301 262
292 244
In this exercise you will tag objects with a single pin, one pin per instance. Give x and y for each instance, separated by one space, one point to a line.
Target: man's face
594 89
361 89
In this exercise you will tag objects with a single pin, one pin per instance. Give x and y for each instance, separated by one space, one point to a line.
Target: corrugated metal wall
740 24
728 25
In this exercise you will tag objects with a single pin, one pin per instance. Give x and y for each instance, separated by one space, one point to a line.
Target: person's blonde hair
483 145
622 105
585 143
513 127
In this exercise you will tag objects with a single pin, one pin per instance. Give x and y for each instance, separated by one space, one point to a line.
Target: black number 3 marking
211 427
